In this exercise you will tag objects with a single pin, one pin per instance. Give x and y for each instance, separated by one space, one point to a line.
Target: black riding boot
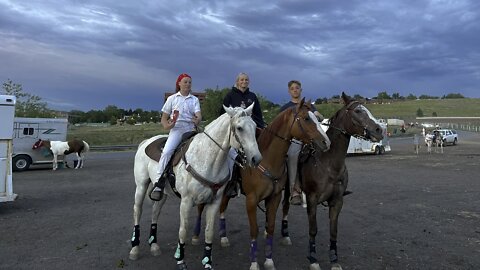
157 195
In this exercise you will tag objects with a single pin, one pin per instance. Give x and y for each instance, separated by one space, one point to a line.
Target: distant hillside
407 110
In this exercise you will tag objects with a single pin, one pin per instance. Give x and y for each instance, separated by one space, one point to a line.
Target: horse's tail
86 147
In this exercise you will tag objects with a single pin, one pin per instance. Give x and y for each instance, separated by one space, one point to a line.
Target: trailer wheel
21 163
382 150
377 150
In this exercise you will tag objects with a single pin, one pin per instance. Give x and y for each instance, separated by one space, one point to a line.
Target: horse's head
37 144
243 129
362 123
41 143
305 126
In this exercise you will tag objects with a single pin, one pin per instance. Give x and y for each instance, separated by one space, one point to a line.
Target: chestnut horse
324 176
266 182
60 148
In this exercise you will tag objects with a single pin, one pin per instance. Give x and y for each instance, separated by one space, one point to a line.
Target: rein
346 133
241 153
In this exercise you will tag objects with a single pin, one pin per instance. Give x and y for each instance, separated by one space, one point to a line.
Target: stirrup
160 192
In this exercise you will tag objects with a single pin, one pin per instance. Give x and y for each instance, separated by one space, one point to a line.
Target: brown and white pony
60 148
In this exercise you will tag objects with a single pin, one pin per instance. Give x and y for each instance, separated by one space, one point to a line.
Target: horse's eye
239 129
358 111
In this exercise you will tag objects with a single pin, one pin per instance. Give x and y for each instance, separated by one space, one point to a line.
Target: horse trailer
7 113
26 131
361 146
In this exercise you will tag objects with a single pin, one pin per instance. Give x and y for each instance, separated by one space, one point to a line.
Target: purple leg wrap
223 228
269 247
198 225
253 251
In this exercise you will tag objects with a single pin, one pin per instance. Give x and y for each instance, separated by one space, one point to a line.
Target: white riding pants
292 161
174 139
232 154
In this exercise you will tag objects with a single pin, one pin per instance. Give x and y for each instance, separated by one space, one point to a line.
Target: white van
26 131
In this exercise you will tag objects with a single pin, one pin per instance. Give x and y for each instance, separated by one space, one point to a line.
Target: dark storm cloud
128 53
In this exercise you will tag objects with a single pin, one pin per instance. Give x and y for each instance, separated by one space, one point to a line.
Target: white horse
207 155
438 142
60 148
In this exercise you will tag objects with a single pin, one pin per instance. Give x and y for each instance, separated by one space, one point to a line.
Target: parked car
449 136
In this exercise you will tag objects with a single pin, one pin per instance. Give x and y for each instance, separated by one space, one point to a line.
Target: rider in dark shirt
241 96
295 91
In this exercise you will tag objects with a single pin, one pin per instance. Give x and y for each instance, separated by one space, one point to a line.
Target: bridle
241 149
348 110
296 119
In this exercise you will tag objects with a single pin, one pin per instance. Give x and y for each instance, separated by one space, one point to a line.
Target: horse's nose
256 160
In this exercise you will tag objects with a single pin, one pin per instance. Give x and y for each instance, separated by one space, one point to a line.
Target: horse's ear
229 110
249 109
300 104
346 99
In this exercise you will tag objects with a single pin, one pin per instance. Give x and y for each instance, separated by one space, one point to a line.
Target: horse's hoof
195 241
254 266
182 266
269 265
336 266
134 253
286 241
224 242
208 266
155 249
265 234
314 266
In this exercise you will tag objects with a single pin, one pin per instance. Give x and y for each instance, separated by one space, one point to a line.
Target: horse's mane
268 133
216 122
336 115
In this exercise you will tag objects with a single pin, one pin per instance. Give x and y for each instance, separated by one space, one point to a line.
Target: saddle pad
154 150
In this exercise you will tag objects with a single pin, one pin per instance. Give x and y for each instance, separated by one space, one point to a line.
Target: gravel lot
407 211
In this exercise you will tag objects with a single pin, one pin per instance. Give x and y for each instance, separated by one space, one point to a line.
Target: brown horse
324 176
266 182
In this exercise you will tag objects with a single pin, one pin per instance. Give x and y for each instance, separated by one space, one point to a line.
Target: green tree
383 95
212 105
411 97
27 105
454 95
419 112
434 114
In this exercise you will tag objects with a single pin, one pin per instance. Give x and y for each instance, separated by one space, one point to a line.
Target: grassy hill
407 110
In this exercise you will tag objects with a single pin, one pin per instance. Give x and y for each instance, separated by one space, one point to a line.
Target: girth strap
212 185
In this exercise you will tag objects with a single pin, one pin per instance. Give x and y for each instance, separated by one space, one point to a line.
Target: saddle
154 151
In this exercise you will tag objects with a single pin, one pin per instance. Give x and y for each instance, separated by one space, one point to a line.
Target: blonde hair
238 77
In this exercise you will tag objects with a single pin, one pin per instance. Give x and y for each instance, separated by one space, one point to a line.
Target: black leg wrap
312 252
285 228
207 254
333 252
153 234
136 236
180 252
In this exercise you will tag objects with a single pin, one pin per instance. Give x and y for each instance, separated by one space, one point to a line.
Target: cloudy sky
84 54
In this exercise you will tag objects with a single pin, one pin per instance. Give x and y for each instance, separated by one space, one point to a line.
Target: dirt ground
407 211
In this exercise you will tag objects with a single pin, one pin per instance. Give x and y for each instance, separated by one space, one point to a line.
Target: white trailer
360 146
7 113
26 131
